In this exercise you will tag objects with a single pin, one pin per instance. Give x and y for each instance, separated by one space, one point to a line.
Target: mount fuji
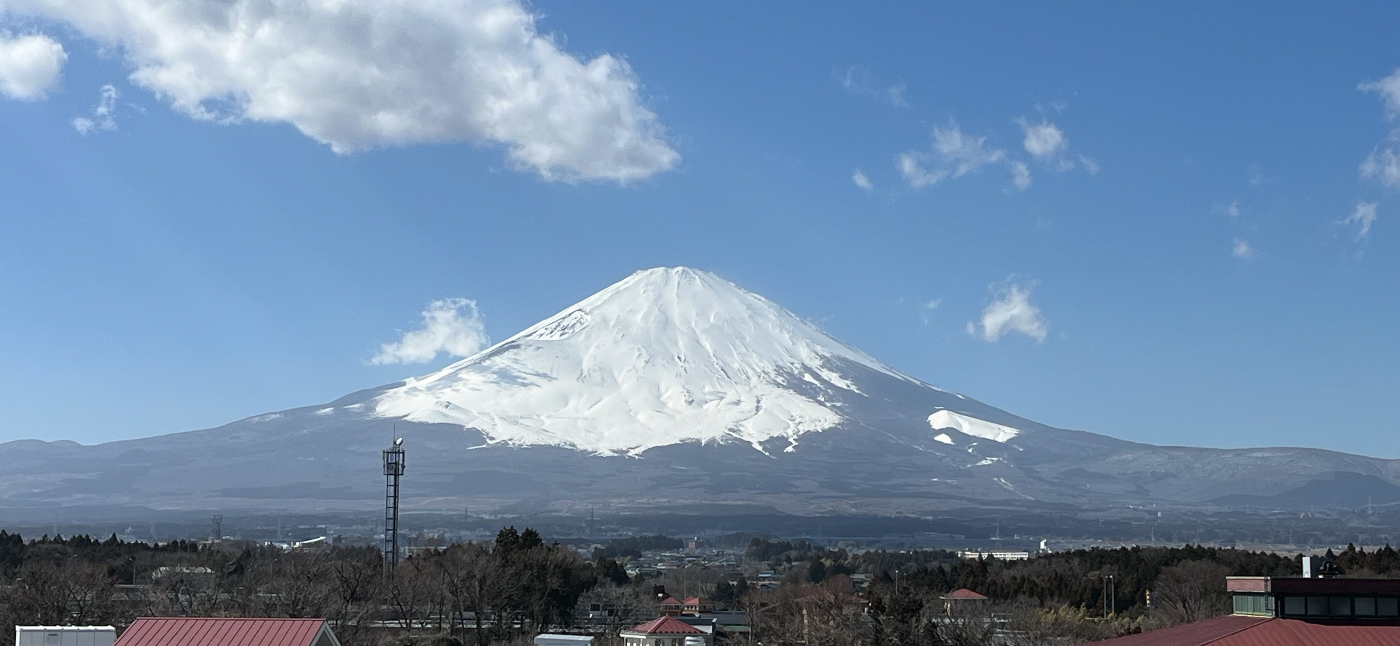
669 389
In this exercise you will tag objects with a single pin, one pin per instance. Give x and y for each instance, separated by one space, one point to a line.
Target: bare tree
1191 591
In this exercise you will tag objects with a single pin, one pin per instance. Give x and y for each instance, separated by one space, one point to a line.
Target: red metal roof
963 593
693 601
199 631
1262 631
667 626
671 601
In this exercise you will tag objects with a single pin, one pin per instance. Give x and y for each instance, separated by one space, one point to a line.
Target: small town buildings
203 631
999 555
672 607
665 631
696 605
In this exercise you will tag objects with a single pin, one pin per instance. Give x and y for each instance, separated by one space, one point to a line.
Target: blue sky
1131 220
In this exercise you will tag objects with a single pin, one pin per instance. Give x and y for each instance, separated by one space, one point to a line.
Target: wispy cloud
1383 164
1242 250
452 326
858 80
1363 216
860 179
954 154
1010 311
1047 143
31 66
362 75
103 114
1020 175
1044 141
1256 175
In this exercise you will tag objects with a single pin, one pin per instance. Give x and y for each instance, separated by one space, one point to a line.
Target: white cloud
1256 175
30 66
858 80
954 154
1389 89
1044 141
861 180
1020 175
452 326
1010 311
896 95
1363 216
361 74
102 113
1382 165
1242 250
1233 210
933 304
1090 165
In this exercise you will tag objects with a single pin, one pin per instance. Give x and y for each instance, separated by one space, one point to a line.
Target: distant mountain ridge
672 387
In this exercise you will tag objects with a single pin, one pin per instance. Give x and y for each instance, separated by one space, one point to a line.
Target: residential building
1295 611
665 631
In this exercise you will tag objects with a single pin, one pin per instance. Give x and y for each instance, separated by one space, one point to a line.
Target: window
1365 606
1388 607
1317 606
1254 604
1340 607
1295 606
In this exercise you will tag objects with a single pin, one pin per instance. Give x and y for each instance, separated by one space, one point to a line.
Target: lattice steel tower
393 468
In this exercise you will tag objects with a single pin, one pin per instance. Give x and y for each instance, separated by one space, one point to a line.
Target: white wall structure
65 635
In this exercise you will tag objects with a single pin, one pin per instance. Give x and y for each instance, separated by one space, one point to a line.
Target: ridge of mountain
669 388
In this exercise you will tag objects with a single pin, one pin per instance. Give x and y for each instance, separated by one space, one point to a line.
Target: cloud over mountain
360 74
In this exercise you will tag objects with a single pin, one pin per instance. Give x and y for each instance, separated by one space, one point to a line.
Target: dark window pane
1317 606
1388 606
1340 607
1295 606
1365 606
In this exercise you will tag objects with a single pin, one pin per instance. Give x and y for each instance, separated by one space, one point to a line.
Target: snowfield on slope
665 356
971 426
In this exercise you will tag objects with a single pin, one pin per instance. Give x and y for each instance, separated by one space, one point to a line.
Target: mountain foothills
670 390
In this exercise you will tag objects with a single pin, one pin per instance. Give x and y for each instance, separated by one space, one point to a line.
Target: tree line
506 590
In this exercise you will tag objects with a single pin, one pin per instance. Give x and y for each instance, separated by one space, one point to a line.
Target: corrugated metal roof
667 626
1262 631
200 631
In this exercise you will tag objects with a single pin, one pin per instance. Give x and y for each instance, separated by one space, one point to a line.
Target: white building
65 635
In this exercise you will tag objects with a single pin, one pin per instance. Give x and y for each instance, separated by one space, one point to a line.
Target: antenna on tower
393 468
217 534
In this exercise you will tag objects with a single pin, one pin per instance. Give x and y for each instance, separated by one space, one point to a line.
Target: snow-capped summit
734 403
665 356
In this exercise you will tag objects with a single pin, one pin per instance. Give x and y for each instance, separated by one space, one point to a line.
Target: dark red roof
199 631
670 601
963 593
667 626
693 601
1262 631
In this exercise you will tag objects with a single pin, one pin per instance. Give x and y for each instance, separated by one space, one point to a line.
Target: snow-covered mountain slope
666 356
728 399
